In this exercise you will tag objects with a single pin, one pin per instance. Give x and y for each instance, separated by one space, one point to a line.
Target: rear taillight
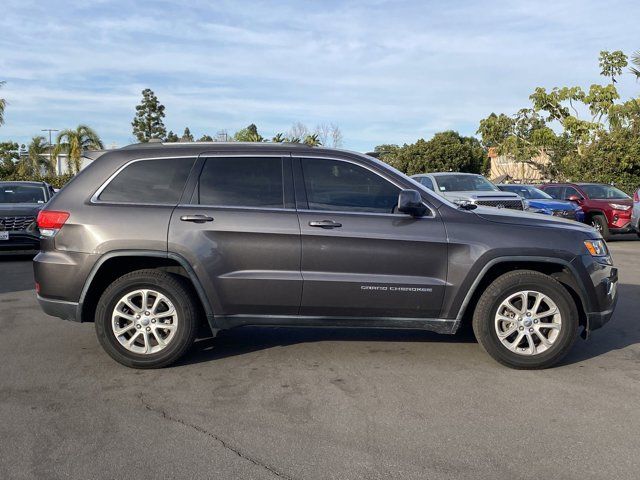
50 221
636 198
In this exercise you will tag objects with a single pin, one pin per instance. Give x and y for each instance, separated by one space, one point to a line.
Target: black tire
503 287
599 222
176 290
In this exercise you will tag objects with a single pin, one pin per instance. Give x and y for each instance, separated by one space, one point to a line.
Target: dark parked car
607 208
153 239
20 203
541 202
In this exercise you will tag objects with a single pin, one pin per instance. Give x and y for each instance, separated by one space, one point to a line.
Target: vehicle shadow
243 340
622 331
16 277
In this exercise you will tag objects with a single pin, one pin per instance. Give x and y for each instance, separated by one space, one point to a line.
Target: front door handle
325 224
196 218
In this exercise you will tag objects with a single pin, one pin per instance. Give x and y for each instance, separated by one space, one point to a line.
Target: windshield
21 194
462 183
525 191
603 192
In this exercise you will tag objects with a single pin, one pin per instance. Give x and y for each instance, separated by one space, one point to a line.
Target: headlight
598 249
617 206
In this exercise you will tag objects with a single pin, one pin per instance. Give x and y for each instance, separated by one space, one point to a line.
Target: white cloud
386 72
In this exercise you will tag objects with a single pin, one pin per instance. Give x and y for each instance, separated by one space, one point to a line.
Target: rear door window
242 182
154 182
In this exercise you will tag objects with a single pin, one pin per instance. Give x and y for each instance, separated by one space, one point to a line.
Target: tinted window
526 191
149 181
22 194
604 192
569 191
426 181
462 183
555 192
242 182
343 186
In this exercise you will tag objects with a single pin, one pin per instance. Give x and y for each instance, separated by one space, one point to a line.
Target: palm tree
312 140
35 160
3 103
74 142
635 59
279 138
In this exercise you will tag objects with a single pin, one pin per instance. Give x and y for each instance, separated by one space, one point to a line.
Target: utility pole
50 149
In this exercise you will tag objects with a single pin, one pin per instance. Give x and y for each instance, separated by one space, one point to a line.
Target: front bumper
601 282
20 241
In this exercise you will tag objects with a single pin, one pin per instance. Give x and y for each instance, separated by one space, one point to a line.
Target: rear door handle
325 224
196 218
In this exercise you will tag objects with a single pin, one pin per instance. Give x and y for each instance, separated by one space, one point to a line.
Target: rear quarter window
158 182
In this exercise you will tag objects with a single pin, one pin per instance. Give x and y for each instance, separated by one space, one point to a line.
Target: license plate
4 235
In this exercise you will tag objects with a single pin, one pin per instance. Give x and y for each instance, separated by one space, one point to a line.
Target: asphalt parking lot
315 403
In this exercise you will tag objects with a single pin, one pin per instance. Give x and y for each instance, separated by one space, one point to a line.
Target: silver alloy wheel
528 322
144 321
597 225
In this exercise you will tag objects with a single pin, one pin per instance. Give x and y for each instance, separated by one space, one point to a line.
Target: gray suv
152 241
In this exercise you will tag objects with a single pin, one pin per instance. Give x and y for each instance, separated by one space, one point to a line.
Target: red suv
607 208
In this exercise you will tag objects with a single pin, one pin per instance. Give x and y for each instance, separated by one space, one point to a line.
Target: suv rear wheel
146 319
526 320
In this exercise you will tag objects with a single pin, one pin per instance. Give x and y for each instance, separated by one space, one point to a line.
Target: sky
383 71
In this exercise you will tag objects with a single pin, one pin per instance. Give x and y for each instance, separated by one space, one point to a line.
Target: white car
470 188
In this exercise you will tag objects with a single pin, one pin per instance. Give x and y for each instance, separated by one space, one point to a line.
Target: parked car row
606 208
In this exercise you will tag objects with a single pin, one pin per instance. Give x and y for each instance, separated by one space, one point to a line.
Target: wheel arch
115 264
557 268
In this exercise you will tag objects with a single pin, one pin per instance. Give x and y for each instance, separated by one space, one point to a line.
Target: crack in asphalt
222 442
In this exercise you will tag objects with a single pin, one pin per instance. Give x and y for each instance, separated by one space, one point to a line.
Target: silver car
469 188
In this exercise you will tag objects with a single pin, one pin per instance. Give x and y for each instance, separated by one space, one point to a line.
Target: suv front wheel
146 319
526 319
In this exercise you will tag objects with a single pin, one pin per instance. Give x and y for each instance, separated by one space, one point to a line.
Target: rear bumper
60 308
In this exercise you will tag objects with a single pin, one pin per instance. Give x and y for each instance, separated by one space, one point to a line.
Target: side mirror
574 198
410 202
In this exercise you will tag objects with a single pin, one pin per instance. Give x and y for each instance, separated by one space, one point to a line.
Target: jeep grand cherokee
153 239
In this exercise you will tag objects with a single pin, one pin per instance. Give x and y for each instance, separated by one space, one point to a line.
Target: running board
438 325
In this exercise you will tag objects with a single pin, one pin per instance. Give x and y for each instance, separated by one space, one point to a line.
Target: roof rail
157 143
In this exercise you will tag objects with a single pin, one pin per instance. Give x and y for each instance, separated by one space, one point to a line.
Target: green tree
186 136
313 140
3 104
248 134
586 134
612 64
147 123
446 151
74 142
385 150
279 138
171 137
206 138
8 158
36 160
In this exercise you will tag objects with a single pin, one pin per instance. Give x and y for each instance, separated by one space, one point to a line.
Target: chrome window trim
95 200
95 197
232 207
